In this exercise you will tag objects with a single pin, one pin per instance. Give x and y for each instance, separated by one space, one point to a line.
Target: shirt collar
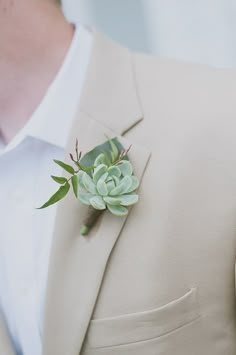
51 121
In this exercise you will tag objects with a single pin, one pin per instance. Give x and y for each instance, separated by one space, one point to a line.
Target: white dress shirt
26 164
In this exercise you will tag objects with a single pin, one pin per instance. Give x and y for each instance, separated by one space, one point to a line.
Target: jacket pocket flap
141 326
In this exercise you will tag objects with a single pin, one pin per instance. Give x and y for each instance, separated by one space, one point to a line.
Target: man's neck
34 39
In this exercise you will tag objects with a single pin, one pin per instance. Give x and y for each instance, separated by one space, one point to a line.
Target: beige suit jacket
160 281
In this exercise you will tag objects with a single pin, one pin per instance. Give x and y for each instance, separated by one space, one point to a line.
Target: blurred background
202 31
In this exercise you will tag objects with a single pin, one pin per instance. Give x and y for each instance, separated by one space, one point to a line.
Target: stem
90 220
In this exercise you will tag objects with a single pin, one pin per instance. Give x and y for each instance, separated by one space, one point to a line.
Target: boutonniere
103 179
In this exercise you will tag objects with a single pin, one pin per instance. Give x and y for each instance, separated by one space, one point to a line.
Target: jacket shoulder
183 72
199 87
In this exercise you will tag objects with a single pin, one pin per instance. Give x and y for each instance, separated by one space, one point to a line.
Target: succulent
102 179
108 186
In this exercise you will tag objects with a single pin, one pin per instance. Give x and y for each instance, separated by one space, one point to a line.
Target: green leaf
89 184
98 203
87 169
118 210
85 197
110 186
59 195
65 166
114 150
98 172
89 158
59 179
128 200
112 200
123 186
74 182
114 171
80 179
107 159
101 159
134 185
116 180
102 186
125 168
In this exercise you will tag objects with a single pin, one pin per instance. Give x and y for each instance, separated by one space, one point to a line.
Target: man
158 281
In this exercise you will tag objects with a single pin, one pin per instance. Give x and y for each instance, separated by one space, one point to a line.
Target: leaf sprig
102 179
111 153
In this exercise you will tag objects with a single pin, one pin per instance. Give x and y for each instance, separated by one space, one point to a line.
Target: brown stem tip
90 220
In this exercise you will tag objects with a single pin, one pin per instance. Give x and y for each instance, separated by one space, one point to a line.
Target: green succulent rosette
109 187
104 180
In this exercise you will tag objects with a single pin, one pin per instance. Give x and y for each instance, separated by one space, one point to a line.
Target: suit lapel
109 106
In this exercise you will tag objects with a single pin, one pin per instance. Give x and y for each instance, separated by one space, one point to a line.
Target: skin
34 39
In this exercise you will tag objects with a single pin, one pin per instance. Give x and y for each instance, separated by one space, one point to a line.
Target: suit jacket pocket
143 326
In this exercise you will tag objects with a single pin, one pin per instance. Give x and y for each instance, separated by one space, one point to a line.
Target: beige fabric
161 281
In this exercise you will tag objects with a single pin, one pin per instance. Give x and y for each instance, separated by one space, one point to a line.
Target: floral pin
103 179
